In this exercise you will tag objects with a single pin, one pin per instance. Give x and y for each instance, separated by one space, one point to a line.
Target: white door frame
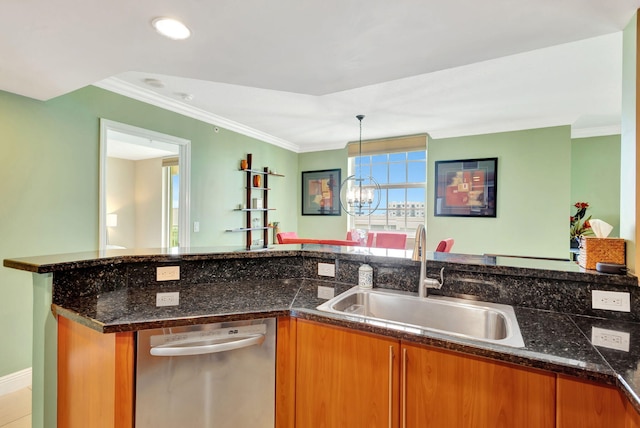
184 162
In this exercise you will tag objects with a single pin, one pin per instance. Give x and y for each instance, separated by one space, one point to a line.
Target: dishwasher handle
180 351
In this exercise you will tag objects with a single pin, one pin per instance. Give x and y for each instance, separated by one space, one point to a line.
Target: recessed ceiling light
171 28
156 83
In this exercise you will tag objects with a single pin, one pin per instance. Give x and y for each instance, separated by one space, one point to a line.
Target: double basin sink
488 322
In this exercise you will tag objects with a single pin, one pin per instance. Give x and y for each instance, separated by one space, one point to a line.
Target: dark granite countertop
518 266
115 291
553 341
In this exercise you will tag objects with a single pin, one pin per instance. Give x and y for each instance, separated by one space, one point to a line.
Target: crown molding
596 132
129 90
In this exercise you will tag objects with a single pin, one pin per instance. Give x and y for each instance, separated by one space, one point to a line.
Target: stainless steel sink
484 321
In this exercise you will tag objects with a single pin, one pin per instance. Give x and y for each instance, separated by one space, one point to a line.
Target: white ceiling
132 147
296 72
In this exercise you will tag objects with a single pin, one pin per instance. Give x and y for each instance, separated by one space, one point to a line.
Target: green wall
326 227
534 171
595 177
49 187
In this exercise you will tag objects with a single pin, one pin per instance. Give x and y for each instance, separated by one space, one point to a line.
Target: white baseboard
15 381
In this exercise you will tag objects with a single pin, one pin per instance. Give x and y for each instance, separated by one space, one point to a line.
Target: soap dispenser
365 276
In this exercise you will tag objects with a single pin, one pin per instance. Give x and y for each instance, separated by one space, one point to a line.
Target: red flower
579 223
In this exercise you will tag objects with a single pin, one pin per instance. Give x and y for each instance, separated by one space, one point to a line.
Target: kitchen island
115 292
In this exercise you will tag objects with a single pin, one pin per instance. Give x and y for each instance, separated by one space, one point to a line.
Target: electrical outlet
611 300
326 269
326 292
196 226
168 299
168 273
612 339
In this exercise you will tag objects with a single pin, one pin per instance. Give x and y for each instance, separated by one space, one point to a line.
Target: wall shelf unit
258 192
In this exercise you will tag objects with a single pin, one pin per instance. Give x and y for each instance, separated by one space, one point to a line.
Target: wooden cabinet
286 373
447 389
335 377
256 187
345 379
583 404
95 377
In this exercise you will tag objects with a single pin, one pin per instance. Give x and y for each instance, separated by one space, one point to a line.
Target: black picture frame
321 192
466 188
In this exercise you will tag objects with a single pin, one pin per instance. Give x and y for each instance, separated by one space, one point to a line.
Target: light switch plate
168 299
168 273
611 300
326 269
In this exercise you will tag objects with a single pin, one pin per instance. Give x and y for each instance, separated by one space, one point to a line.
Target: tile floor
15 409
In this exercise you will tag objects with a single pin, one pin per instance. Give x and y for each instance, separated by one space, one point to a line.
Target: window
402 180
171 200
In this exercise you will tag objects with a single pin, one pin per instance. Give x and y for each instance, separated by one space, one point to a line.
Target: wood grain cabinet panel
583 404
447 389
345 379
95 377
286 373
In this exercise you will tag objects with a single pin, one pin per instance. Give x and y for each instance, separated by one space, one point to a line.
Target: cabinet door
95 377
345 379
583 404
447 389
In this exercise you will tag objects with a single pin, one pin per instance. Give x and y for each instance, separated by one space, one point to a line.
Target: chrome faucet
420 253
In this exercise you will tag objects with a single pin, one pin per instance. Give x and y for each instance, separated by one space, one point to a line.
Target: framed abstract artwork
321 192
466 188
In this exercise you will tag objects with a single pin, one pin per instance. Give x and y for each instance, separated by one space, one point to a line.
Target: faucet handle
434 283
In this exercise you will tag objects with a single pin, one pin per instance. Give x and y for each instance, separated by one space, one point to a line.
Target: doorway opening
144 188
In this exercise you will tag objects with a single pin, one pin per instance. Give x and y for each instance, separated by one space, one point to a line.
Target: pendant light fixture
359 196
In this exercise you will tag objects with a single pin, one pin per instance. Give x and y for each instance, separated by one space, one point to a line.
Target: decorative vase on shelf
257 180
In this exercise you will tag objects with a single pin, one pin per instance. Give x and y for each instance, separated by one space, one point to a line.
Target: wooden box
600 250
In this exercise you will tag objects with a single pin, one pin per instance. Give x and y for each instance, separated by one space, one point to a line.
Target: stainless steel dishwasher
212 375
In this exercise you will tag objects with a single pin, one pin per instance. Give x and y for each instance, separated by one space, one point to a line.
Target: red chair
390 240
445 245
350 237
370 236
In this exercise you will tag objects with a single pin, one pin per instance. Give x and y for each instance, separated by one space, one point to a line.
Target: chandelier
359 195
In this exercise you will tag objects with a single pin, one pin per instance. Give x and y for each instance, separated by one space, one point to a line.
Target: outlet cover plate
168 273
326 292
612 339
611 300
168 299
327 269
